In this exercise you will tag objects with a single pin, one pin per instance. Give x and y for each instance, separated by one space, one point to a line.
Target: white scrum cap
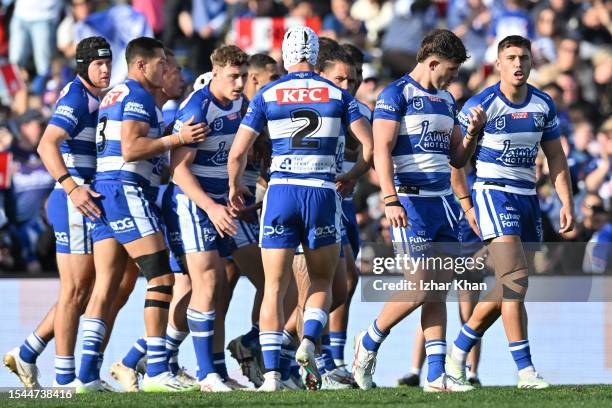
202 81
299 43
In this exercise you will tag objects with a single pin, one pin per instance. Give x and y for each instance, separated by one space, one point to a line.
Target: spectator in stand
31 184
598 254
513 20
32 31
339 25
470 20
595 24
598 173
411 20
546 30
153 10
376 14
203 22
258 8
602 77
79 10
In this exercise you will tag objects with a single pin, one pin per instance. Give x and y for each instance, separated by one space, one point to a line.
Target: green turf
558 396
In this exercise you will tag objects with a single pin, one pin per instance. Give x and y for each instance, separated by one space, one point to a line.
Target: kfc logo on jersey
302 95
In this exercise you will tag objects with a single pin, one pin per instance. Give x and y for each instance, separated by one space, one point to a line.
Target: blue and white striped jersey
306 116
509 143
76 111
427 119
127 101
210 162
347 165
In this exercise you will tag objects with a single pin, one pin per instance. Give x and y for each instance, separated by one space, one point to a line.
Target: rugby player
520 119
305 115
130 148
417 137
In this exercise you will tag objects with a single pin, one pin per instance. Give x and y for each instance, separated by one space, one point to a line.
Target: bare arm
236 162
560 177
461 190
363 132
596 178
49 152
386 136
462 148
136 145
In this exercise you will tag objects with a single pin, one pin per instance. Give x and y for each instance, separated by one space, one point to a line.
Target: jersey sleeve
138 107
351 108
255 116
390 104
462 118
552 130
69 111
191 107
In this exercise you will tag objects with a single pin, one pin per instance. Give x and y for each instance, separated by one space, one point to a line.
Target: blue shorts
350 228
470 242
127 213
500 213
72 229
431 219
188 228
294 214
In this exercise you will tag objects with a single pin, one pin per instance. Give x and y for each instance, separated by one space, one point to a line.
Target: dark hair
260 61
514 41
228 55
354 52
336 54
443 43
143 47
552 85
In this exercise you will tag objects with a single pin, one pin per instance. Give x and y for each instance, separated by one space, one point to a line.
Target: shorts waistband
407 191
493 185
303 182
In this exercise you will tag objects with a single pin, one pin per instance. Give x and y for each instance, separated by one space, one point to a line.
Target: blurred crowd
572 55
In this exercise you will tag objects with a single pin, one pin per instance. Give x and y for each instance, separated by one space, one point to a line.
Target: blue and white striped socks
337 343
201 326
94 331
314 321
31 348
521 354
157 361
373 337
436 354
137 351
464 342
271 342
64 369
174 338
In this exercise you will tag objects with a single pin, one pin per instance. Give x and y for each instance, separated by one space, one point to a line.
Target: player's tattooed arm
363 132
560 177
49 152
180 166
236 163
463 147
462 192
386 136
136 145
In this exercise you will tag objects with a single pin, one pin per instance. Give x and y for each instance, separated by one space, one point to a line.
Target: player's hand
236 197
249 214
477 118
222 218
345 184
470 216
566 220
193 132
82 199
396 216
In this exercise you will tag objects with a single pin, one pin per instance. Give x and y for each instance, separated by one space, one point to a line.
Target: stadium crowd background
572 55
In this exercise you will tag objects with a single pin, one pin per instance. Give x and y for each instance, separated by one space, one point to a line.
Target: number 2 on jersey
311 124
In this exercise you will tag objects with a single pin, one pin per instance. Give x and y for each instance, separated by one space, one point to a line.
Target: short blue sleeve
552 130
390 104
351 109
139 107
462 118
69 111
255 116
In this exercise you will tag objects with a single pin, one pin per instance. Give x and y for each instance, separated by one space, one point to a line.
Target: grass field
558 396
